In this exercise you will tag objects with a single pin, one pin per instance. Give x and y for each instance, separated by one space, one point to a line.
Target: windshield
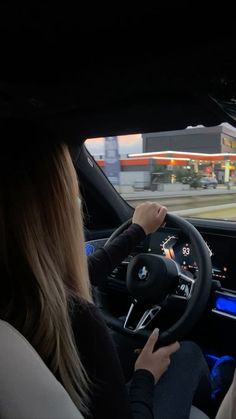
191 171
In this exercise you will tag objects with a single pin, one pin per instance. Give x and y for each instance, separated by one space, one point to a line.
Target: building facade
219 139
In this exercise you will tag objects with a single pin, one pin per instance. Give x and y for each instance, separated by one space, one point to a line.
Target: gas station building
210 151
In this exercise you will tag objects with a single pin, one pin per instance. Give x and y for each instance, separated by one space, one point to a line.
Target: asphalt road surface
208 203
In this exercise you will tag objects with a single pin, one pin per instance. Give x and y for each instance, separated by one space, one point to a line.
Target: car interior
28 388
102 73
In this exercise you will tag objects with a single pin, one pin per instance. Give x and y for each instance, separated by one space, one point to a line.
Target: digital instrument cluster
172 244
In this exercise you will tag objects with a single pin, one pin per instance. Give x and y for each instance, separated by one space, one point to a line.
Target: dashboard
220 239
172 244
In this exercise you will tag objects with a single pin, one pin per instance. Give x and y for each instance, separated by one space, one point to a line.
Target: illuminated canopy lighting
156 153
171 158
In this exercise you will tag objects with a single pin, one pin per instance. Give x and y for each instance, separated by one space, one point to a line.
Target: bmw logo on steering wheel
143 273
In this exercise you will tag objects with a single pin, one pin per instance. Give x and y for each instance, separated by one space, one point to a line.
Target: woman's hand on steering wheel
150 216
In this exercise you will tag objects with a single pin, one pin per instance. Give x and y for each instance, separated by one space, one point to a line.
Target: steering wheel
152 280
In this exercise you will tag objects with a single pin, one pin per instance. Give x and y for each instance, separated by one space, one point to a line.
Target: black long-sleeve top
104 260
109 395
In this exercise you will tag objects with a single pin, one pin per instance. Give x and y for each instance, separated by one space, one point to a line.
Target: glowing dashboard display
92 245
181 251
89 249
175 246
171 243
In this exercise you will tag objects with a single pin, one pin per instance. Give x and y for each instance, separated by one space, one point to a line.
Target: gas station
168 157
214 164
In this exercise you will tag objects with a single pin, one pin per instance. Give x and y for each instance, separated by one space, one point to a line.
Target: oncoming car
207 182
131 113
204 182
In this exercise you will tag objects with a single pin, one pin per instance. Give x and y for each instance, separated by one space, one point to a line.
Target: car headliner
100 72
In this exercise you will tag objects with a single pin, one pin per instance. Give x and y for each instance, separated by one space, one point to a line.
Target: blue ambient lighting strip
226 304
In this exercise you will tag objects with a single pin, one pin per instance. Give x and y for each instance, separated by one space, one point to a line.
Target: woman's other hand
157 361
150 216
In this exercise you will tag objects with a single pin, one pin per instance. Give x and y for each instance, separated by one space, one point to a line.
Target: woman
45 283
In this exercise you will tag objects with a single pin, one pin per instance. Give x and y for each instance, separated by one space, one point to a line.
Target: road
209 203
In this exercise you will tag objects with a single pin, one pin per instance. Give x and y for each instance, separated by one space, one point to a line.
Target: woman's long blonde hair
42 260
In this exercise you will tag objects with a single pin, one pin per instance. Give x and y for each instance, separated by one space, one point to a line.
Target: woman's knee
191 352
190 347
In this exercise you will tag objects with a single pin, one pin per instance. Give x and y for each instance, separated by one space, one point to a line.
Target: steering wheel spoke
138 317
184 288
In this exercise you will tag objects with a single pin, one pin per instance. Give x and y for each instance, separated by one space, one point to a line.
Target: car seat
28 389
227 409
